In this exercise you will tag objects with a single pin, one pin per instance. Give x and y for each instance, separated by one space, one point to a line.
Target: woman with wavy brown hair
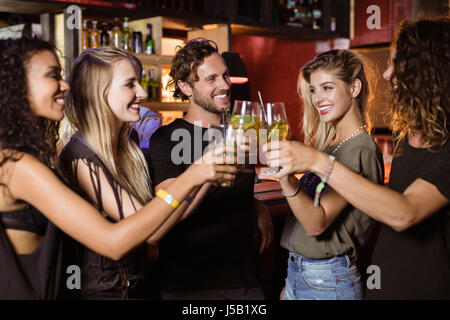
31 194
411 258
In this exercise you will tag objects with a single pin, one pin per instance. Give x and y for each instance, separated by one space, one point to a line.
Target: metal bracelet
292 194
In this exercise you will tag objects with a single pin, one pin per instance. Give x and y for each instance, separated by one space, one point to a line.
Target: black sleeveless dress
30 276
101 277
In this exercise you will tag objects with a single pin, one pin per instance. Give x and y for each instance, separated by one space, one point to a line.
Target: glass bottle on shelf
144 82
137 42
104 36
84 36
333 24
316 14
149 43
290 5
116 39
303 13
308 14
126 36
153 86
94 36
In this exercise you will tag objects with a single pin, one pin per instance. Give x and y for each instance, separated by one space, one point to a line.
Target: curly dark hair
186 61
20 129
420 80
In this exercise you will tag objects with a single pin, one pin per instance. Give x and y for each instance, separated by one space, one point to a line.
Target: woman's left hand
291 156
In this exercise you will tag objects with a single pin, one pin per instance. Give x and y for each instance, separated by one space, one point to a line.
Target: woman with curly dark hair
31 195
412 255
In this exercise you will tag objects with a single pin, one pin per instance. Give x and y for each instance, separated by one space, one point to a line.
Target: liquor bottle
94 35
316 14
116 35
153 86
126 36
333 24
308 15
104 36
84 36
144 82
290 5
303 13
137 41
149 43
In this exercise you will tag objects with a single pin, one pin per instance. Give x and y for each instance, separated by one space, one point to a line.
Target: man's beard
208 104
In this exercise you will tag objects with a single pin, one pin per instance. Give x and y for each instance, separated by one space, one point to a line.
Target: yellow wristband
168 198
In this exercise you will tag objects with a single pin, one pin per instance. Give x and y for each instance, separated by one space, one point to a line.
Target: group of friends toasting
87 196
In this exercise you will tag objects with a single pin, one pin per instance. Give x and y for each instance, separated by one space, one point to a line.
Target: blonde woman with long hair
103 164
412 249
325 233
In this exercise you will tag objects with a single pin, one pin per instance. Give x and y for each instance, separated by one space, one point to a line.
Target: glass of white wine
277 127
247 119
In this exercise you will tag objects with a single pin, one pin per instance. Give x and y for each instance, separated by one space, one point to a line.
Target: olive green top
352 227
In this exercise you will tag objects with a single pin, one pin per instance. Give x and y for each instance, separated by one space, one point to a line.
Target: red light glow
238 80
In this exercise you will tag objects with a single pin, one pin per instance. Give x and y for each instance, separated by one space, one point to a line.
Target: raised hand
291 156
216 166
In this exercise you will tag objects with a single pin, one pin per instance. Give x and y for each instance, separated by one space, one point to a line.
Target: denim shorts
336 278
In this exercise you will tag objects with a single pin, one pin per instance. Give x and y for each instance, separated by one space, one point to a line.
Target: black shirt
415 263
212 248
36 275
99 275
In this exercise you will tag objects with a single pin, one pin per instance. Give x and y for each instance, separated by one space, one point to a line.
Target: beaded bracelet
325 177
168 198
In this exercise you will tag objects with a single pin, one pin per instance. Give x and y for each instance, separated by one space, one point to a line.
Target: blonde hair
89 115
348 67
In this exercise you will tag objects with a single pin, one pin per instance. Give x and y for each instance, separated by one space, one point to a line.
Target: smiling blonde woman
325 233
104 165
412 250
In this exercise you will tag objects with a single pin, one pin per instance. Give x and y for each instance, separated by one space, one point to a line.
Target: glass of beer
216 136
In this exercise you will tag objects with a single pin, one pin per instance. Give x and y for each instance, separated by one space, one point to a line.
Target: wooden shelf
154 59
31 7
165 106
281 31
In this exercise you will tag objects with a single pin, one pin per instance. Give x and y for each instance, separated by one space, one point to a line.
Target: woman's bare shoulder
13 161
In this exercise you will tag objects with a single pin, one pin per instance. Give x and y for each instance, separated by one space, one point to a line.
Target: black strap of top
27 219
94 164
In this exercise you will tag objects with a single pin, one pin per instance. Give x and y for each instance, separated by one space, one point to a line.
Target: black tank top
101 276
30 276
26 219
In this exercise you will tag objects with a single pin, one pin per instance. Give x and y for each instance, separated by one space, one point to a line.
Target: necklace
348 138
